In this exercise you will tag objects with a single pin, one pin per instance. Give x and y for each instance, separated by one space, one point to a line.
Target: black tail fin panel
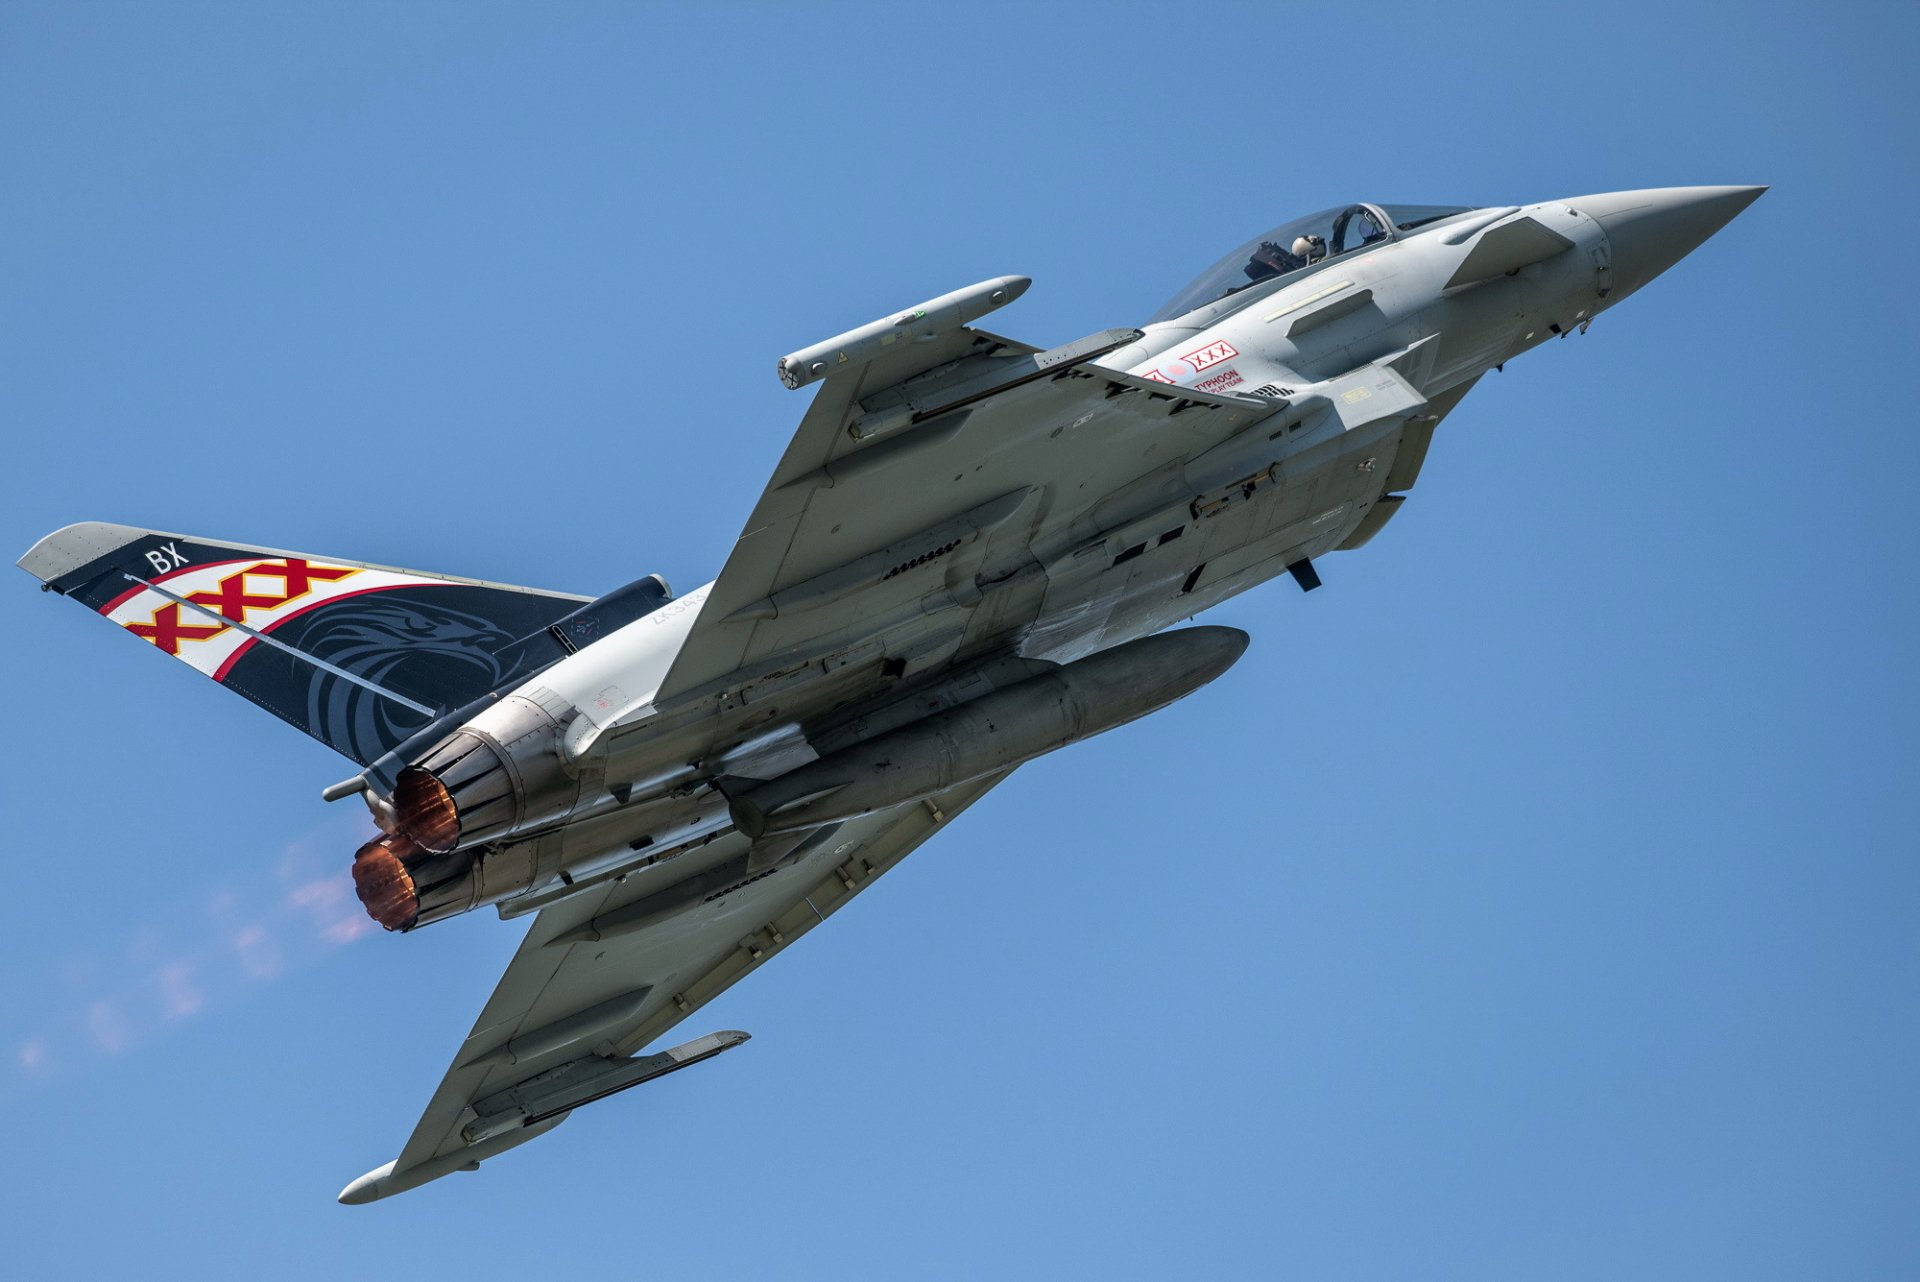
359 656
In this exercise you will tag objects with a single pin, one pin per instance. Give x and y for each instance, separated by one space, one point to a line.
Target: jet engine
498 774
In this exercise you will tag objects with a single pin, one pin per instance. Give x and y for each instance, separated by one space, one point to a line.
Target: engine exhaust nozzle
385 884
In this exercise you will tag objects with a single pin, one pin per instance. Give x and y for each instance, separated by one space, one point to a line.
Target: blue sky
1538 899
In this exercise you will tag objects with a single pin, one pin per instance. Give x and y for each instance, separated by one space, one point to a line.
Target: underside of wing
608 970
908 485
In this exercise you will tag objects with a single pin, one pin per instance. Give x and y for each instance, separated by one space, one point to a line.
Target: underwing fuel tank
994 732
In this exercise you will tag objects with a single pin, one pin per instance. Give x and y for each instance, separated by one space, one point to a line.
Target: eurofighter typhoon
965 559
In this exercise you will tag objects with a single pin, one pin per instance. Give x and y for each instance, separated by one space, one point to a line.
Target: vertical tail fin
359 656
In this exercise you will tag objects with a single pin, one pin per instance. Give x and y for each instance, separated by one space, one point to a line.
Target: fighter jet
970 555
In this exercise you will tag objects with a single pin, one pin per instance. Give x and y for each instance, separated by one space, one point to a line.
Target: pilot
1271 260
1309 248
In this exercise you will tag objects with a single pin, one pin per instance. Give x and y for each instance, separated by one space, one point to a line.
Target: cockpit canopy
1294 246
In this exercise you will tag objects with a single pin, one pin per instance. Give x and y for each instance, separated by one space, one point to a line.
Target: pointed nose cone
1652 230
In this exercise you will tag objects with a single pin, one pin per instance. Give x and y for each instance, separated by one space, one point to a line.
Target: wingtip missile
509 1118
926 321
385 1181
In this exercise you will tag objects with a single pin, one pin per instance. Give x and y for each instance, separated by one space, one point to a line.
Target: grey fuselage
1356 356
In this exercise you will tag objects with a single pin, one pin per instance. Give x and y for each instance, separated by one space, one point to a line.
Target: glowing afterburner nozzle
385 884
459 794
497 775
424 810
